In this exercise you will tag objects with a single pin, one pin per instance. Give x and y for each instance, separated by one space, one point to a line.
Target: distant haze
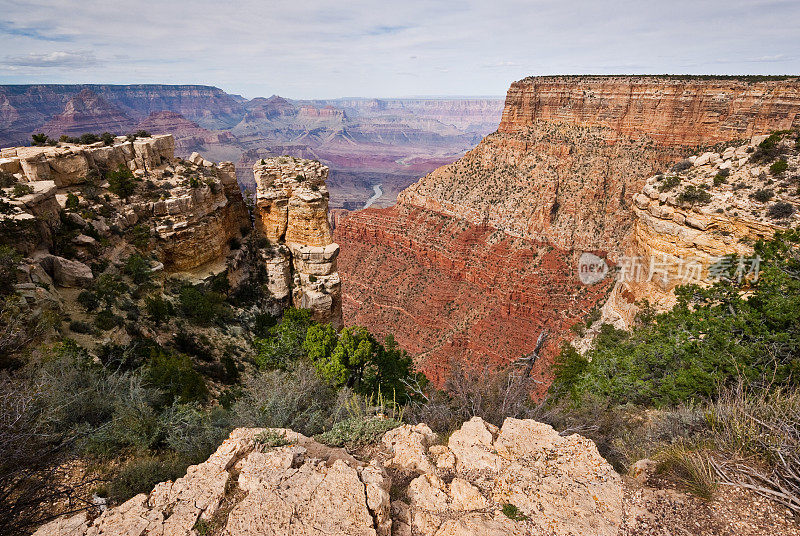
318 49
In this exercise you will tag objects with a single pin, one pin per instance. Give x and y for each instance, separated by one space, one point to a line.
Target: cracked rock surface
557 486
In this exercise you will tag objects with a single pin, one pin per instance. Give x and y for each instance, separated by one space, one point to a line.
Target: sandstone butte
480 256
191 211
560 485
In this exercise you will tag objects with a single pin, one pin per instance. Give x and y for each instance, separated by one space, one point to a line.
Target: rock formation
292 213
675 241
492 242
255 484
364 141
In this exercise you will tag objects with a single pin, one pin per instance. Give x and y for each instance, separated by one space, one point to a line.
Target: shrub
72 201
514 513
768 149
80 327
690 466
139 236
201 307
694 196
107 138
175 376
41 140
712 338
778 167
285 344
780 211
137 268
356 359
293 398
158 309
107 320
7 179
122 182
271 439
88 300
356 432
142 474
109 287
763 195
9 260
669 183
21 189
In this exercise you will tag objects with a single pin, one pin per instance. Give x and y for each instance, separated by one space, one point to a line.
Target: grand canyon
367 143
473 298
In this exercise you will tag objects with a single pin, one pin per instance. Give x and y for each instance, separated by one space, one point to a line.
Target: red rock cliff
480 255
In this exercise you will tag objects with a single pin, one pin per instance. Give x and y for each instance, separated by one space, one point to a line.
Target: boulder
409 445
66 272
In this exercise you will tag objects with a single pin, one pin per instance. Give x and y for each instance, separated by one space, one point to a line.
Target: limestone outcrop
521 479
676 240
292 213
69 164
552 484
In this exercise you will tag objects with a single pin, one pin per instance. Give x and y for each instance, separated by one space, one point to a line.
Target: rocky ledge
521 479
711 205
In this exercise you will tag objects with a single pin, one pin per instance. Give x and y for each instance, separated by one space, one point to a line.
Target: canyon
71 206
480 257
363 141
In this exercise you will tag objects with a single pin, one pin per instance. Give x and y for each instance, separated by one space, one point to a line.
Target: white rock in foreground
559 485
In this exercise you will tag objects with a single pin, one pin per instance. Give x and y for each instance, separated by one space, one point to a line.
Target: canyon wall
365 142
491 243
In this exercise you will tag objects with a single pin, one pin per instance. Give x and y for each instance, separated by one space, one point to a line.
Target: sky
320 49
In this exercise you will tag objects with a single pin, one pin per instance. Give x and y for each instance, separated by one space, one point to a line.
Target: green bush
271 439
285 343
354 358
778 167
175 376
669 183
139 236
200 306
141 475
769 149
106 320
21 189
158 309
9 260
780 211
294 398
122 182
763 195
712 338
357 432
88 300
694 196
79 326
72 201
137 268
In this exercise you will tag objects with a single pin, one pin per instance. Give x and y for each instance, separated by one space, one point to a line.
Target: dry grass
691 466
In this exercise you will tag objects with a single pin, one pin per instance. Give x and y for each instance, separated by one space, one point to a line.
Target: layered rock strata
561 173
675 241
69 164
559 485
292 213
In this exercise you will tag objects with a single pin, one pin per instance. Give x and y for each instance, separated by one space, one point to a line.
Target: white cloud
51 60
320 48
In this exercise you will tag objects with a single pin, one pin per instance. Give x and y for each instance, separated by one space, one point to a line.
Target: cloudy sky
321 49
